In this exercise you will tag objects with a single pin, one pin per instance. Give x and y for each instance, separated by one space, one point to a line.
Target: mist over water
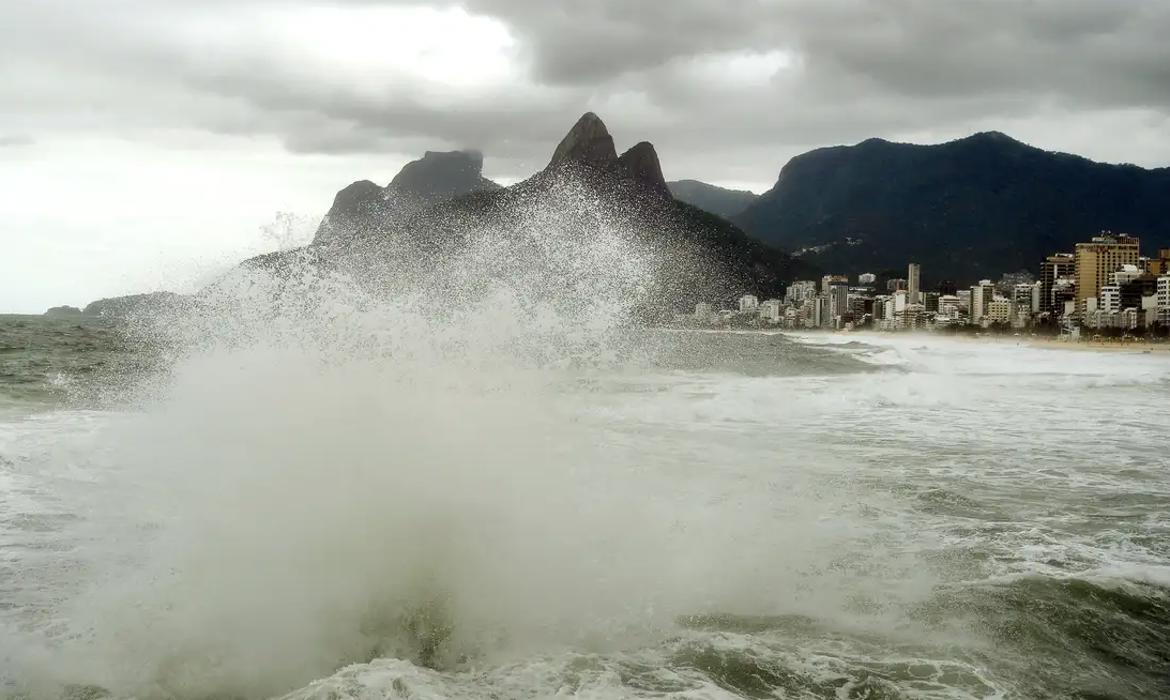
482 476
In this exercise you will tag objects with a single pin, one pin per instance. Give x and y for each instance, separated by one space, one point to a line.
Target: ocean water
727 515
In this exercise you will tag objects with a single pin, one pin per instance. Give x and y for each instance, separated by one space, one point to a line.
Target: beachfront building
1109 299
999 310
1063 297
913 282
770 311
838 299
964 296
1054 267
950 306
1097 260
1162 300
912 317
800 291
1022 296
982 295
748 303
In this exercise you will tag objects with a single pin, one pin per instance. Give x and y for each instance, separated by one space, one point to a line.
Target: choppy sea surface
730 515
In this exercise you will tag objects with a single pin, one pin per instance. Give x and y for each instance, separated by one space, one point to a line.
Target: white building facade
1162 300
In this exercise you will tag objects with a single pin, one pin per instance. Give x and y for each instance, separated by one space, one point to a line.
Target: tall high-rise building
1097 260
982 295
930 301
1053 268
1163 300
913 278
838 302
1022 297
832 279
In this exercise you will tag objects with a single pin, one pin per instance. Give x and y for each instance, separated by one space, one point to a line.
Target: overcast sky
147 144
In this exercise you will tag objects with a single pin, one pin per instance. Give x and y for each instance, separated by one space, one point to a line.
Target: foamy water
929 519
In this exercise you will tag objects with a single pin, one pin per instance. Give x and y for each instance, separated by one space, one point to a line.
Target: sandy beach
1093 344
1100 344
1140 346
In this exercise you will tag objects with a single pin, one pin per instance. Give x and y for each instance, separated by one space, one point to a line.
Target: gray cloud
671 72
15 140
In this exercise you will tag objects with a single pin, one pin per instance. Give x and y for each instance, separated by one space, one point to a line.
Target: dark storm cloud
672 72
586 41
1087 51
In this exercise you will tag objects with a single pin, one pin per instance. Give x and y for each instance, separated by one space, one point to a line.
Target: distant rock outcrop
63 311
717 200
965 210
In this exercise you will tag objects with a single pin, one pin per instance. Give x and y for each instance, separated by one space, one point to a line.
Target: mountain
968 209
717 200
393 234
438 176
421 183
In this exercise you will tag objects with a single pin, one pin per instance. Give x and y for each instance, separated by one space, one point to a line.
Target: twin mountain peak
587 150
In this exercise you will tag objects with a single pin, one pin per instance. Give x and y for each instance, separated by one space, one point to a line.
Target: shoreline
1100 345
1141 346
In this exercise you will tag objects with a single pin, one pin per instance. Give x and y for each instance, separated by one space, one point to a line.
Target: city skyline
1104 284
